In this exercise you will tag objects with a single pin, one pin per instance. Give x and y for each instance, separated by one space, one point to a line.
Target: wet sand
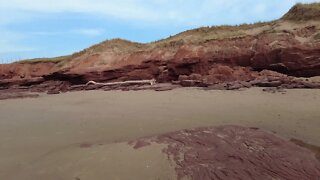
83 135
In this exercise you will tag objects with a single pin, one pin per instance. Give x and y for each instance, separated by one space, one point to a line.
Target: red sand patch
85 145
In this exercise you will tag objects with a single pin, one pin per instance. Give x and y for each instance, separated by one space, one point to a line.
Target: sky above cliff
48 28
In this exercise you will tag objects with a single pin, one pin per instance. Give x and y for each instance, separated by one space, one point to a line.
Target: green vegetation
302 12
205 34
54 60
116 45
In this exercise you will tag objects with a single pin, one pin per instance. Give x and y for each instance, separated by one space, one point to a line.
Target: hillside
303 12
290 46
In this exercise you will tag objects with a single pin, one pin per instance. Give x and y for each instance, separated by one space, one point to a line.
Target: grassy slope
303 12
55 59
299 12
115 45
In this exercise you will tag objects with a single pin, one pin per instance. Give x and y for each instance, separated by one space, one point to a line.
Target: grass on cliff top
203 34
39 60
119 45
299 12
115 45
302 12
193 36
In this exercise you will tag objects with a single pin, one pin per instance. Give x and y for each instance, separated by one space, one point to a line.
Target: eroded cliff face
206 55
21 73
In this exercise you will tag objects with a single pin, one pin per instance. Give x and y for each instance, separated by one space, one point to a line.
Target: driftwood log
151 82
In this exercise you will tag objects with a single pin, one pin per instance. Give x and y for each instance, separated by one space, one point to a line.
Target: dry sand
83 135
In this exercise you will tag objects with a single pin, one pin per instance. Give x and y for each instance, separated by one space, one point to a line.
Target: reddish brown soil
232 152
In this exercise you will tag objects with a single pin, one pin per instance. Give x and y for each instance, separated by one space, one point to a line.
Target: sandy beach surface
84 135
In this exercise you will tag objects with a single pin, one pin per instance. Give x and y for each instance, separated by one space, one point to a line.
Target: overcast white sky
45 28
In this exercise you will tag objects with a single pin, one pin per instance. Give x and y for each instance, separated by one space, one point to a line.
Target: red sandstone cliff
290 45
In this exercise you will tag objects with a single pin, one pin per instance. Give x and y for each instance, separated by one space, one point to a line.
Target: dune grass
38 60
302 12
